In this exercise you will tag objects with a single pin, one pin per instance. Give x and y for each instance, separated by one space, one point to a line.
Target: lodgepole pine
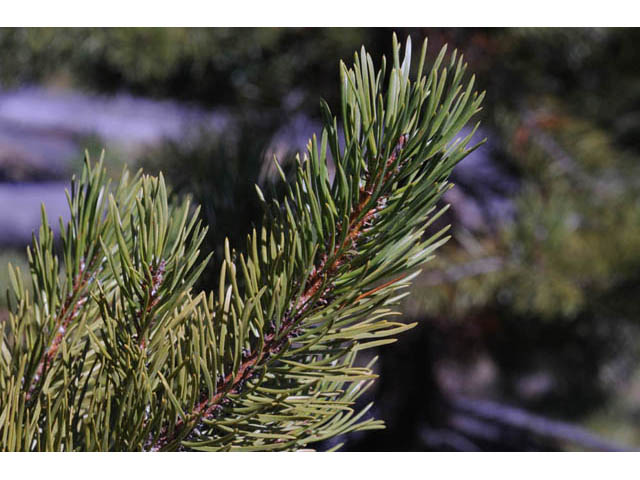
111 349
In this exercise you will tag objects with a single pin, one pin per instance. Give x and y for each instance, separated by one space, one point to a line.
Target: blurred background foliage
532 304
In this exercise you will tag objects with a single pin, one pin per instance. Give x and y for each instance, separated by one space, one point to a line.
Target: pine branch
68 312
364 213
121 354
274 343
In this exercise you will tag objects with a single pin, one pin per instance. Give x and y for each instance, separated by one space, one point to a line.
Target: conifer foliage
111 348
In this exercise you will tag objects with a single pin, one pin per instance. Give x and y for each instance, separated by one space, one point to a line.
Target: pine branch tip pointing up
115 350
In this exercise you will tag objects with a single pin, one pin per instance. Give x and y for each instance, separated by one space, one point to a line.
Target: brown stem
356 222
273 343
157 277
67 313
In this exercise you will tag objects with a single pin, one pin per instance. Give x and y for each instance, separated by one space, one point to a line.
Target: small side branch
68 312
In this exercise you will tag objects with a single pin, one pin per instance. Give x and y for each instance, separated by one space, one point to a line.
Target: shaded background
529 320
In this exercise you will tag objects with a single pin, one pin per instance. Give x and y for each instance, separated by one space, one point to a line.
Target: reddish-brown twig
67 313
274 342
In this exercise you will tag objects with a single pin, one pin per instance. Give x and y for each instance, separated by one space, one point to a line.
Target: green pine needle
115 351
